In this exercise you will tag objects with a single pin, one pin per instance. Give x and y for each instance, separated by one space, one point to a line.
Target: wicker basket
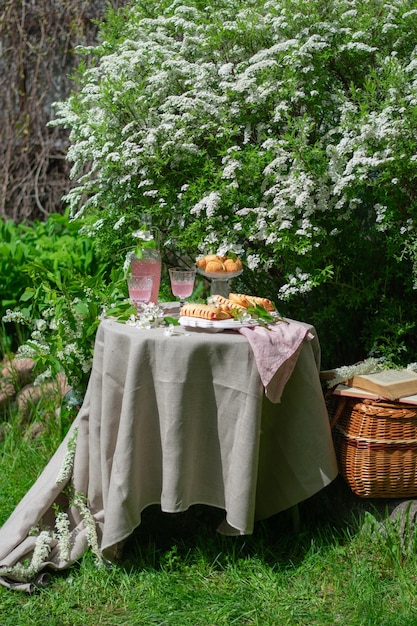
376 447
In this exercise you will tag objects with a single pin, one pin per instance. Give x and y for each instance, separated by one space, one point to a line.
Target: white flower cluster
63 534
68 461
208 204
25 573
149 316
80 502
16 316
62 330
300 282
345 372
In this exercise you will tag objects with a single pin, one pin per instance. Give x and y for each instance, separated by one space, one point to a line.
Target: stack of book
398 385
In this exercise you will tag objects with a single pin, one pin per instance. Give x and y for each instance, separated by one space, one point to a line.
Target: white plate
214 326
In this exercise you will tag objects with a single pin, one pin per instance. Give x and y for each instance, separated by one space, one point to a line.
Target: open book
390 384
355 392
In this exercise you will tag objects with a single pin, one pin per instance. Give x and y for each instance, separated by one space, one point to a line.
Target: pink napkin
276 351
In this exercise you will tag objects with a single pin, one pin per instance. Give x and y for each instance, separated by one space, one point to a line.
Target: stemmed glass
182 282
140 289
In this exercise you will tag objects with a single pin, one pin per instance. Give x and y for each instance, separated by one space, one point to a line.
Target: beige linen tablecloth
179 420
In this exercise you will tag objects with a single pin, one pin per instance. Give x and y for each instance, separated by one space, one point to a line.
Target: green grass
176 570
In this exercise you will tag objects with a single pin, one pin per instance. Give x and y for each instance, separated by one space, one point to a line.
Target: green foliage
52 295
286 136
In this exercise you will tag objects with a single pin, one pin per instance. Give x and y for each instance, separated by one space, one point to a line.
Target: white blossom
15 316
63 534
40 553
253 261
119 222
149 316
345 372
208 204
68 460
80 502
297 283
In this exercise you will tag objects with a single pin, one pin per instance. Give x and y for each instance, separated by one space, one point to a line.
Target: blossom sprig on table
149 316
68 461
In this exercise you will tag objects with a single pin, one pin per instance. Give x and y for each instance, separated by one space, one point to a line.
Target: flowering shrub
284 135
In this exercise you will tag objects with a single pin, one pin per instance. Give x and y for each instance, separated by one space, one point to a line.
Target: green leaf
81 308
262 314
171 320
27 295
121 311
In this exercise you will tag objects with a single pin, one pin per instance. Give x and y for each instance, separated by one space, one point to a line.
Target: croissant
204 311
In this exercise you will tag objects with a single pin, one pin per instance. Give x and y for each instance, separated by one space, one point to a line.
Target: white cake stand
220 281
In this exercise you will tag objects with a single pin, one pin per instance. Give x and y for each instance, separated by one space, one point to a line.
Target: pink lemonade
148 267
182 289
139 295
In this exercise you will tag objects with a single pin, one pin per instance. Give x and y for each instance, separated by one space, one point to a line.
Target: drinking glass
182 282
140 289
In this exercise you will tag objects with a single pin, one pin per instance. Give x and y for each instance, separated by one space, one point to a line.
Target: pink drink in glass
140 289
140 293
148 267
182 289
182 282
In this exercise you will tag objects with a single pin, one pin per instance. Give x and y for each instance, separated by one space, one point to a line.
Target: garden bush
284 135
52 293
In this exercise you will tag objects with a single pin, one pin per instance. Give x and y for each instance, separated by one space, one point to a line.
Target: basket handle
383 409
385 404
336 416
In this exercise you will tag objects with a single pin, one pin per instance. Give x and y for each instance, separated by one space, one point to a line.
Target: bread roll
232 265
201 263
215 263
215 266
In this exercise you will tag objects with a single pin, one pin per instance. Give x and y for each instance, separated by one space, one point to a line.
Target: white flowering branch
345 372
63 534
80 502
68 461
25 573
